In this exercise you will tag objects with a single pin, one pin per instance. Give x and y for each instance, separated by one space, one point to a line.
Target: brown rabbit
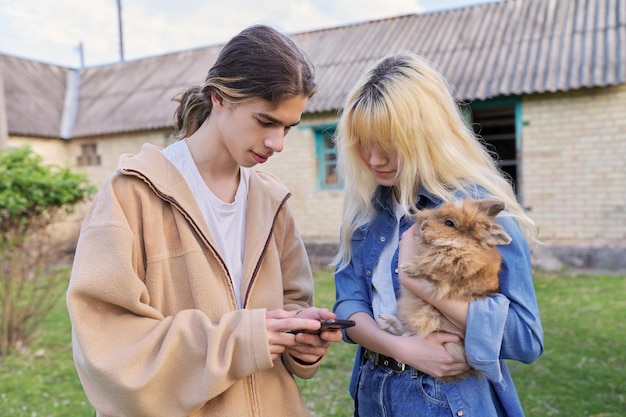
456 253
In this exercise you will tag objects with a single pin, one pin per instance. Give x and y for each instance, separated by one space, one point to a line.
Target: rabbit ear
497 236
491 206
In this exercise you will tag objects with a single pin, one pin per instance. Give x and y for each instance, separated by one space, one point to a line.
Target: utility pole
81 54
119 20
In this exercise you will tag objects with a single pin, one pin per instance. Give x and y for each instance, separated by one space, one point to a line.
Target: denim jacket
502 326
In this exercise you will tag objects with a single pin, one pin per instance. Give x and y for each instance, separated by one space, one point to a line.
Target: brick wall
573 162
574 173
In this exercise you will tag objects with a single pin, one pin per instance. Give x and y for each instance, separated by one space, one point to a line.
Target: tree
33 196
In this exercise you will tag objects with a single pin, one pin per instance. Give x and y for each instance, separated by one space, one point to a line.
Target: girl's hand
407 245
429 354
407 249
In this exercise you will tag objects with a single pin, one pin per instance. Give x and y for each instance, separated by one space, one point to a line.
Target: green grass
40 380
326 394
582 372
583 369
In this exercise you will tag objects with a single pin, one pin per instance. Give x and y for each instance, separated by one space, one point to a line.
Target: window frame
89 155
516 103
324 133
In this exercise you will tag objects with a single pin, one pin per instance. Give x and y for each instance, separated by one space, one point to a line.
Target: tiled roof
137 95
512 47
34 96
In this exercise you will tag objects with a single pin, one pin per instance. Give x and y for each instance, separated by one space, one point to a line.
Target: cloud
50 31
55 29
155 27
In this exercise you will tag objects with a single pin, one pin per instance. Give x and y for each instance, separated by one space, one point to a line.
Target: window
326 155
497 123
89 155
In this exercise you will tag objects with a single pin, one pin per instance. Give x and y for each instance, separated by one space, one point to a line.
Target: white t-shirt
383 296
227 221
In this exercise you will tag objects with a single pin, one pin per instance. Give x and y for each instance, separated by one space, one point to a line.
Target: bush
32 197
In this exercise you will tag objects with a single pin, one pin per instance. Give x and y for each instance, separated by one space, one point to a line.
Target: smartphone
332 324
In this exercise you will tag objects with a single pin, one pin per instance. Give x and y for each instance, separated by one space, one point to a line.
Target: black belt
386 361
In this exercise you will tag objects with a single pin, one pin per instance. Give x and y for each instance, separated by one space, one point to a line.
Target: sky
53 31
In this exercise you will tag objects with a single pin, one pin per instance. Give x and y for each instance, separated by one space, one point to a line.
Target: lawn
582 372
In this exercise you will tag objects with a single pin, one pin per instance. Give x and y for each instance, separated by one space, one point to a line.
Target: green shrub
32 197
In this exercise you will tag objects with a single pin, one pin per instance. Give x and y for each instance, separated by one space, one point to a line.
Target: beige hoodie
156 330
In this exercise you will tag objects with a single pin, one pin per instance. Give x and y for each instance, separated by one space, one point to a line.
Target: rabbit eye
449 223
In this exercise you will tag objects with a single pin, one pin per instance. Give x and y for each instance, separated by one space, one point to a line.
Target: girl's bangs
372 128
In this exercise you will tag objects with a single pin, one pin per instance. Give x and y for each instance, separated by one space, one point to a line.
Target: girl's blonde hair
403 104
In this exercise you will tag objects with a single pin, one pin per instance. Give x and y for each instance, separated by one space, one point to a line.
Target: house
542 81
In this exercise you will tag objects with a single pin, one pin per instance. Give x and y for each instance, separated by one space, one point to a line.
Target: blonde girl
403 145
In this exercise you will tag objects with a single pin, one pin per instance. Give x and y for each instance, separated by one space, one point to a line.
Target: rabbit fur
456 253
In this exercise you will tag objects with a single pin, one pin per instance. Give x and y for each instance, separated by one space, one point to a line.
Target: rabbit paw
390 323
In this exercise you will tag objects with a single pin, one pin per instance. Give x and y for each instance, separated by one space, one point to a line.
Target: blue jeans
386 393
